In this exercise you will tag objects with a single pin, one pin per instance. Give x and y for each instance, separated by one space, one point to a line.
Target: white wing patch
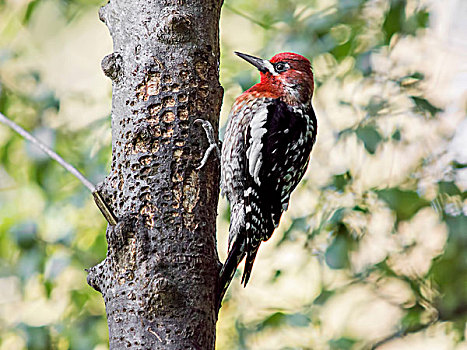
253 153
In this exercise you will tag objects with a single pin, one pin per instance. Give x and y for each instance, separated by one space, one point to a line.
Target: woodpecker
270 132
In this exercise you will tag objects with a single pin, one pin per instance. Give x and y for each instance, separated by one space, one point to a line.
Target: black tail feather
250 259
227 273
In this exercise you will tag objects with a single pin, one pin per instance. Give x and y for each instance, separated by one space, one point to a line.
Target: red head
287 76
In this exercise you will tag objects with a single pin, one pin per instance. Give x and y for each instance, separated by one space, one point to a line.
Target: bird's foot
213 146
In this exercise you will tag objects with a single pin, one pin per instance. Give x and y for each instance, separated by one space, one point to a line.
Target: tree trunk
159 277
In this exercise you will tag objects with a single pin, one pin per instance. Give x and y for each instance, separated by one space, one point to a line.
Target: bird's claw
208 129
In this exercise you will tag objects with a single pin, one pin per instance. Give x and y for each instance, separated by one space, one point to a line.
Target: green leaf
274 320
413 316
279 318
337 216
276 276
342 51
360 209
38 338
449 271
30 262
396 136
337 254
370 137
449 188
48 286
341 180
404 203
323 297
363 63
423 106
298 320
394 20
25 234
375 105
411 79
343 343
30 10
419 19
79 298
417 75
457 165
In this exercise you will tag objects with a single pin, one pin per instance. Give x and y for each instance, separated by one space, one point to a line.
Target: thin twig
248 17
48 151
103 207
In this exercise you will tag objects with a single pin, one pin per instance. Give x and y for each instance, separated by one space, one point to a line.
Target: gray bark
159 278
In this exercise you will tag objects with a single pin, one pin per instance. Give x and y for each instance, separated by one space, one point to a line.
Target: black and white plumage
267 143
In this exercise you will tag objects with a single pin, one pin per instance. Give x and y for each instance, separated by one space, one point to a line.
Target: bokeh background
372 251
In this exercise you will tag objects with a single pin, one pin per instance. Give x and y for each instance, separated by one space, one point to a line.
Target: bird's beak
259 63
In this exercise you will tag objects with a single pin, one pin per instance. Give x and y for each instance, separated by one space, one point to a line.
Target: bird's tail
250 259
236 254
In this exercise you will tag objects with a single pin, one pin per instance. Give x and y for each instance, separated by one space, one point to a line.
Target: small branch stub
174 27
104 208
112 65
102 14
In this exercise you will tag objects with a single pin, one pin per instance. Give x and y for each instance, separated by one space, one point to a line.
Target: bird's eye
280 67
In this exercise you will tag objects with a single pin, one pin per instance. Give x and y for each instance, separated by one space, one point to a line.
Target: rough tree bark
159 278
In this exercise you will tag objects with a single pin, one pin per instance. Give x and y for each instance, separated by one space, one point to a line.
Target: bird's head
286 75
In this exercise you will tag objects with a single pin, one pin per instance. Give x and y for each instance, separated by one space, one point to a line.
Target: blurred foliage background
372 251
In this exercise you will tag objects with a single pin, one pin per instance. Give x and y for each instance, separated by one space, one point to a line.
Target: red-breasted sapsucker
269 136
